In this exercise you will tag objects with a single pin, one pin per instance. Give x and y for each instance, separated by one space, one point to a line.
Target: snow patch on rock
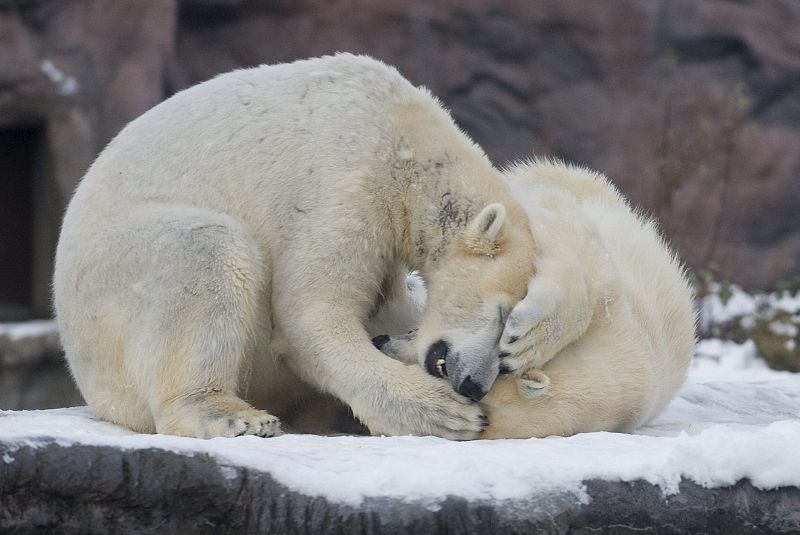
28 329
733 419
65 84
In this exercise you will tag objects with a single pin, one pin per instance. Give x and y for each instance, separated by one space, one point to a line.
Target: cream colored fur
604 336
230 248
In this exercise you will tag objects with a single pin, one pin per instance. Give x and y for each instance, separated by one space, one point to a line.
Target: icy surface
733 419
724 360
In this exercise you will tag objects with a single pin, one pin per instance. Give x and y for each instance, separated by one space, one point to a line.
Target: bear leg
214 277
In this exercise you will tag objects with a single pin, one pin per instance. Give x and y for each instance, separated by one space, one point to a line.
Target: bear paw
248 422
217 416
533 383
534 330
419 404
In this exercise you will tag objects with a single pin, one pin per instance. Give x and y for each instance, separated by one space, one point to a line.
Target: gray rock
33 373
29 350
44 385
72 74
690 106
90 489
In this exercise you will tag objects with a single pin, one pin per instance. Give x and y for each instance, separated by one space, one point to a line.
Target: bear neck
436 206
440 181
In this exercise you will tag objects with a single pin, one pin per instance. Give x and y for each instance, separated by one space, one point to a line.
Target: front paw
418 404
534 331
533 383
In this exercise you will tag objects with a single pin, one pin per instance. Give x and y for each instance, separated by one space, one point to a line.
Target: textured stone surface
88 489
33 372
692 106
32 348
75 71
41 385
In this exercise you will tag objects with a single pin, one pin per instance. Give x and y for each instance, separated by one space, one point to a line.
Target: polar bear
220 260
604 336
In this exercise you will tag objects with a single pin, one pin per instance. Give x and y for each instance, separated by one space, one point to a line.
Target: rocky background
691 106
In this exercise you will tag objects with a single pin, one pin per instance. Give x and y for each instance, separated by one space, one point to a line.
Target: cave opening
19 150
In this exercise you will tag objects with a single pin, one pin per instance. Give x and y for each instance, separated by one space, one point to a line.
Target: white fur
604 336
233 242
608 316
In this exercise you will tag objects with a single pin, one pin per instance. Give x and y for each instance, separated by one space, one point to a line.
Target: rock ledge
99 489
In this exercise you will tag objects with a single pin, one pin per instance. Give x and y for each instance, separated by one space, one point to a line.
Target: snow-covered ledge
28 342
722 458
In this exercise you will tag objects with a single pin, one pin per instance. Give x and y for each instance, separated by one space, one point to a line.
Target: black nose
380 340
470 389
434 360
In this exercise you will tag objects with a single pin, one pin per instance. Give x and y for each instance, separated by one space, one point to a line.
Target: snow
28 329
786 301
742 306
724 360
780 328
733 419
740 303
65 84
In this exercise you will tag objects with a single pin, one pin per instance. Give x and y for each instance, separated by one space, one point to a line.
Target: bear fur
221 261
604 336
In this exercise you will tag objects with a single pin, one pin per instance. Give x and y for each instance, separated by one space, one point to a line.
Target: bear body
221 261
604 336
608 317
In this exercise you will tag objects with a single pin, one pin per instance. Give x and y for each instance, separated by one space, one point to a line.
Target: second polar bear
605 334
226 250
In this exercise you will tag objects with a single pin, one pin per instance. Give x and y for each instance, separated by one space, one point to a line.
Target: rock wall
75 72
691 106
33 372
92 489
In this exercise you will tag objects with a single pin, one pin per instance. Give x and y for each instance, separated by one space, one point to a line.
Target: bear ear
485 230
533 383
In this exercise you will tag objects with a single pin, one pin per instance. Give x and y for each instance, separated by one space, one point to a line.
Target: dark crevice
19 153
714 47
202 14
776 93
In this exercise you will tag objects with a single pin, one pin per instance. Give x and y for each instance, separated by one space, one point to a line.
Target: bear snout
470 389
435 359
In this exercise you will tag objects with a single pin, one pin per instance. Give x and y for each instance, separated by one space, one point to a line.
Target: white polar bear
233 242
605 334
